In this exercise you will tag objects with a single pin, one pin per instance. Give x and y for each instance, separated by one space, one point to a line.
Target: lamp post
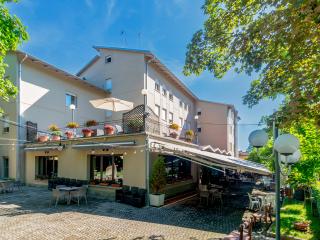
72 108
286 145
196 117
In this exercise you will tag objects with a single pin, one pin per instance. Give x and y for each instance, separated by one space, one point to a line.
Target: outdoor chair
217 195
8 186
17 185
58 195
263 216
253 201
79 194
204 194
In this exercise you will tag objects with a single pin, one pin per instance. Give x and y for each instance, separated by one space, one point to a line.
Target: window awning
45 148
208 159
102 145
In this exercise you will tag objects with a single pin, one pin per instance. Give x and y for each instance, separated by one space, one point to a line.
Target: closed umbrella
112 104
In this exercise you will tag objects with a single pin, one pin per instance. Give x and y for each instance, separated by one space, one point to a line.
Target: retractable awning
206 158
102 145
44 148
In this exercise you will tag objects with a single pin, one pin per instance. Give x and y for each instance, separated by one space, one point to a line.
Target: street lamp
287 146
72 108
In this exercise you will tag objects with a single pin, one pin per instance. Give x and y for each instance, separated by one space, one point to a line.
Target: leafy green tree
280 39
12 33
158 178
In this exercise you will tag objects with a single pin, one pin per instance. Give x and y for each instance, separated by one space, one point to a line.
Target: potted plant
135 125
108 129
43 138
72 125
69 134
189 135
87 132
302 226
55 132
90 124
174 128
158 182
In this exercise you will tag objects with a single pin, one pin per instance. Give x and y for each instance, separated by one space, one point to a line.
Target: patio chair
253 201
263 216
79 194
2 189
217 195
58 195
8 186
17 185
204 194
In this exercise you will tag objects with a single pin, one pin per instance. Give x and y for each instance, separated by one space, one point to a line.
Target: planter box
156 200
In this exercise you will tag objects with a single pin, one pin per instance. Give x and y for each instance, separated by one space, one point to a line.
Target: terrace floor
27 215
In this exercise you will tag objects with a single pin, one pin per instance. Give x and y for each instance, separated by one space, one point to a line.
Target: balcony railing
134 121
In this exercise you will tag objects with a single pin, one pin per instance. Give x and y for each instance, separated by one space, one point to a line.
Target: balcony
133 122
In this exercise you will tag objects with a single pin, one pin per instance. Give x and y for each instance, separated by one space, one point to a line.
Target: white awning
208 158
44 148
102 145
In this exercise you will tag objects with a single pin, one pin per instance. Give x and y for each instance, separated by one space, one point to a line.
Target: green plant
189 133
56 133
135 123
158 179
174 126
53 128
72 125
91 123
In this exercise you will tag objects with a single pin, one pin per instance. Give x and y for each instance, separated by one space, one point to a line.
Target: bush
158 178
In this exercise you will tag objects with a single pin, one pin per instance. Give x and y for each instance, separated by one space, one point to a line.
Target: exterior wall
74 163
156 98
126 71
217 123
10 109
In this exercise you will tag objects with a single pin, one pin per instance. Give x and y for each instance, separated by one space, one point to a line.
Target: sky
63 33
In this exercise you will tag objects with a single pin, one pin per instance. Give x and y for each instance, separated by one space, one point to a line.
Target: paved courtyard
27 215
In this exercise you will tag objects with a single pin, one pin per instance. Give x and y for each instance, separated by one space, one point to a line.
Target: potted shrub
189 135
69 134
90 124
43 138
158 182
108 129
87 132
174 128
55 132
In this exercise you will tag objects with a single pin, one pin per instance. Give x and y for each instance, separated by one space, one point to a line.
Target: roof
150 57
58 71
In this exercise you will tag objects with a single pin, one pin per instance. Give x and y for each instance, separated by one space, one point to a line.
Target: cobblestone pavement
27 215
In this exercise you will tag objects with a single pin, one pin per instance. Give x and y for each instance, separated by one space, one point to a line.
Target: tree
280 39
158 178
12 33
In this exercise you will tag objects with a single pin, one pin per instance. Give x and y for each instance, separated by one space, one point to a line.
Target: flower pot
115 185
174 135
55 138
69 135
87 132
108 130
43 138
301 226
156 200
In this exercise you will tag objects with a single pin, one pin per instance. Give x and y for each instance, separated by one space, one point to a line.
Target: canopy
112 104
45 148
102 145
206 158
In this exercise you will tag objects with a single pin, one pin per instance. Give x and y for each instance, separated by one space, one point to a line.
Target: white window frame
157 86
106 85
157 110
181 104
75 97
181 120
170 117
171 97
106 59
164 114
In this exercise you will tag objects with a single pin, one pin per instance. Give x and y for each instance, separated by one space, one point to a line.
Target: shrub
158 179
56 133
189 133
72 125
53 128
174 126
91 123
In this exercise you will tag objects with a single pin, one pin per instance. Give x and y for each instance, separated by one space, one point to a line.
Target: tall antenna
139 40
124 38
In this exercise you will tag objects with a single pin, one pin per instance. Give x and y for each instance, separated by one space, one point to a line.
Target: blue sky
63 33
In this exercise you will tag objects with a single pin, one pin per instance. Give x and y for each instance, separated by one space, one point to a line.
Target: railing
134 121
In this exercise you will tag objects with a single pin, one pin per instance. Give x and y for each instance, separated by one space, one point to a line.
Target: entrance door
5 167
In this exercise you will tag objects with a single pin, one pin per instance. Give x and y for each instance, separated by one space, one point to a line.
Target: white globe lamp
144 92
286 144
258 138
291 159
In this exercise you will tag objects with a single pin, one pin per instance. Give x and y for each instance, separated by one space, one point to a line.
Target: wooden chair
263 216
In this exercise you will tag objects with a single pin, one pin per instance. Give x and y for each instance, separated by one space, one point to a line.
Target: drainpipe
19 150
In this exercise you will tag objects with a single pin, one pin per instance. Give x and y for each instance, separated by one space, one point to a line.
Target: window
164 92
46 167
177 169
106 168
199 129
185 106
181 122
164 114
157 87
199 112
108 59
181 104
108 85
5 167
170 96
6 125
71 99
170 117
157 110
109 114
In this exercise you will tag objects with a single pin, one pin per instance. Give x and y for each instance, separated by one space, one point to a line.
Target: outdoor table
69 190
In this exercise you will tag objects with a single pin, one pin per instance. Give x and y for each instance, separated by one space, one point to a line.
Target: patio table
69 190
